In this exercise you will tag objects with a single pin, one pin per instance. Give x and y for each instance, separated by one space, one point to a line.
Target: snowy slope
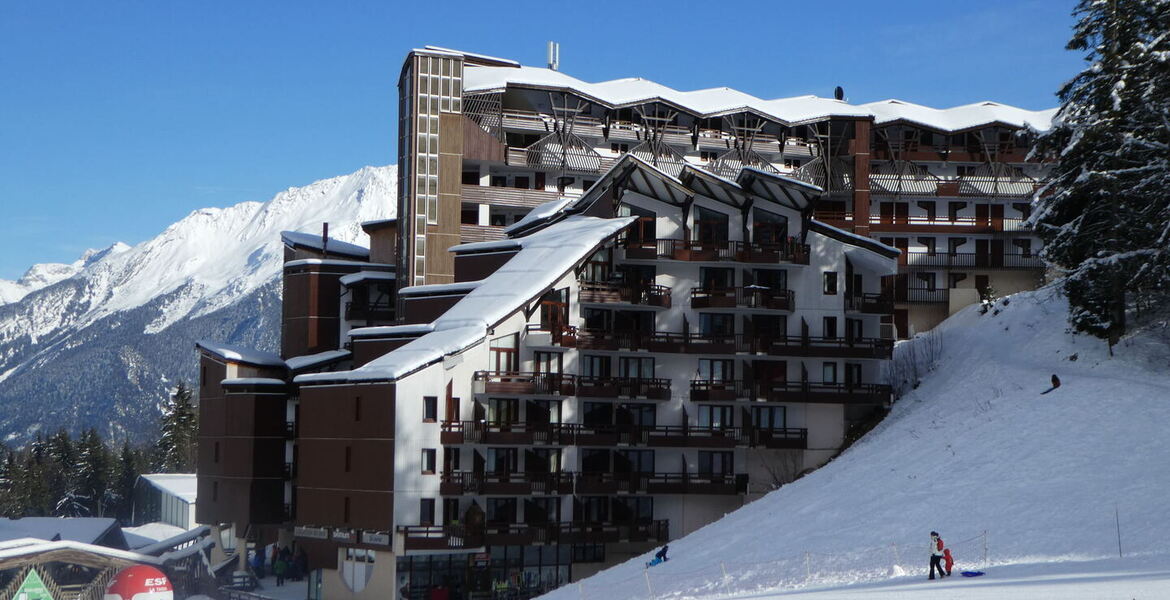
116 329
976 448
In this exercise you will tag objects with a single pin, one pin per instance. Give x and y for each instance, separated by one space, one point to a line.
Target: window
499 181
594 460
619 148
714 324
428 461
852 374
630 509
929 243
470 178
633 461
520 182
641 415
348 458
592 509
636 368
769 417
426 511
547 362
830 284
450 510
770 278
597 318
710 225
769 228
716 278
501 510
451 459
504 353
598 413
503 410
829 373
540 511
596 366
929 207
542 460
928 280
708 155
711 416
542 412
469 215
830 327
792 163
503 460
586 553
716 370
953 209
1025 247
430 409
715 463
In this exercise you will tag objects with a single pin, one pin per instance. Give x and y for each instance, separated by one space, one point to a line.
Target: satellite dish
839 93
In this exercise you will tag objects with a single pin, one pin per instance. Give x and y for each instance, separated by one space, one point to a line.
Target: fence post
726 588
807 567
648 588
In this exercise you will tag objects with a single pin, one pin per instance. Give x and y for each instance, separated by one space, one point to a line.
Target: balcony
369 311
505 484
564 336
752 296
757 343
661 483
975 260
481 233
719 251
712 390
498 433
458 537
779 438
917 295
543 384
987 185
938 225
646 295
874 304
823 393
507 196
623 387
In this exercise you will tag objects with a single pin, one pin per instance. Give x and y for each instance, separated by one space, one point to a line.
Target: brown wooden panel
331 411
425 310
366 350
322 464
367 510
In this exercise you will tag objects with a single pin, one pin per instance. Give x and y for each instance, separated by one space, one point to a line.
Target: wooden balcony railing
508 196
779 438
650 388
564 335
755 297
823 393
501 382
661 483
505 484
501 433
645 294
756 343
879 304
458 537
975 260
719 251
371 311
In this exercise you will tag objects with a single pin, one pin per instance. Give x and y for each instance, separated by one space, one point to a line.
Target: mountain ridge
113 331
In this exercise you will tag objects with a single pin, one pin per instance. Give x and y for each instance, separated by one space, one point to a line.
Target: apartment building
606 315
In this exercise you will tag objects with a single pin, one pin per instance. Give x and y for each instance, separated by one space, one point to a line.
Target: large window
598 413
711 416
542 510
633 461
426 511
595 366
637 368
633 509
710 225
503 410
501 511
504 353
716 324
716 369
716 278
829 372
502 460
547 362
592 509
641 415
542 460
716 463
769 417
776 279
769 228
830 283
594 460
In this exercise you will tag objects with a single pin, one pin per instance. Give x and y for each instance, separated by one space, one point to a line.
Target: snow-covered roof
541 212
79 529
853 239
239 354
378 223
392 330
314 242
545 256
435 289
150 534
958 118
470 55
309 361
253 381
180 485
720 101
301 262
360 276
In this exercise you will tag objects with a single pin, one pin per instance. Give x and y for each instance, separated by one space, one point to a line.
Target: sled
971 573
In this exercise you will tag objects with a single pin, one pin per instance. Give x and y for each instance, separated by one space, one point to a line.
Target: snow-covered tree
176 445
1105 215
92 474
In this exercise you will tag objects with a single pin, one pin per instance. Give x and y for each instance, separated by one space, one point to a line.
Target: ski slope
1038 490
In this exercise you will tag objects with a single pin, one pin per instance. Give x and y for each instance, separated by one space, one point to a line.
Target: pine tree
176 450
92 474
128 469
1105 214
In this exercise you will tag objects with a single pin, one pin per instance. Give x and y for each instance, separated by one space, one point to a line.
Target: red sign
140 582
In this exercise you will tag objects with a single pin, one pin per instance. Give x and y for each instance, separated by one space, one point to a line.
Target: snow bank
1006 474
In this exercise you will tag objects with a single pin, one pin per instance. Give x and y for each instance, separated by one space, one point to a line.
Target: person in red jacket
936 555
949 560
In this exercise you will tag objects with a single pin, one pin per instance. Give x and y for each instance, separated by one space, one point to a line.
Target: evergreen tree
176 449
128 469
93 473
1105 215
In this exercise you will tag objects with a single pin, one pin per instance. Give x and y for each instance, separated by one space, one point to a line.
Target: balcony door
768 228
716 463
644 231
636 367
554 310
504 355
633 461
503 411
710 225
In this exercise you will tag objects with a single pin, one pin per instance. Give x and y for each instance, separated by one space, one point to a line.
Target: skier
936 555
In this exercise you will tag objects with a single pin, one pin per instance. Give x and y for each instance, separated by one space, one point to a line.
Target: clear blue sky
119 118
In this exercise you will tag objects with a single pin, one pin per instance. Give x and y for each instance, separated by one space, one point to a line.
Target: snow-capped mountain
100 341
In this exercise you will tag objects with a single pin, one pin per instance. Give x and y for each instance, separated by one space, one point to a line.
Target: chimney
554 55
325 241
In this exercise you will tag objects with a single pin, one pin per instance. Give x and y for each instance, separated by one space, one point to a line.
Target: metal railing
372 311
751 296
870 303
646 294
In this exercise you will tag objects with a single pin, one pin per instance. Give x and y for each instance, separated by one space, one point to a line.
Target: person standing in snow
936 555
948 560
